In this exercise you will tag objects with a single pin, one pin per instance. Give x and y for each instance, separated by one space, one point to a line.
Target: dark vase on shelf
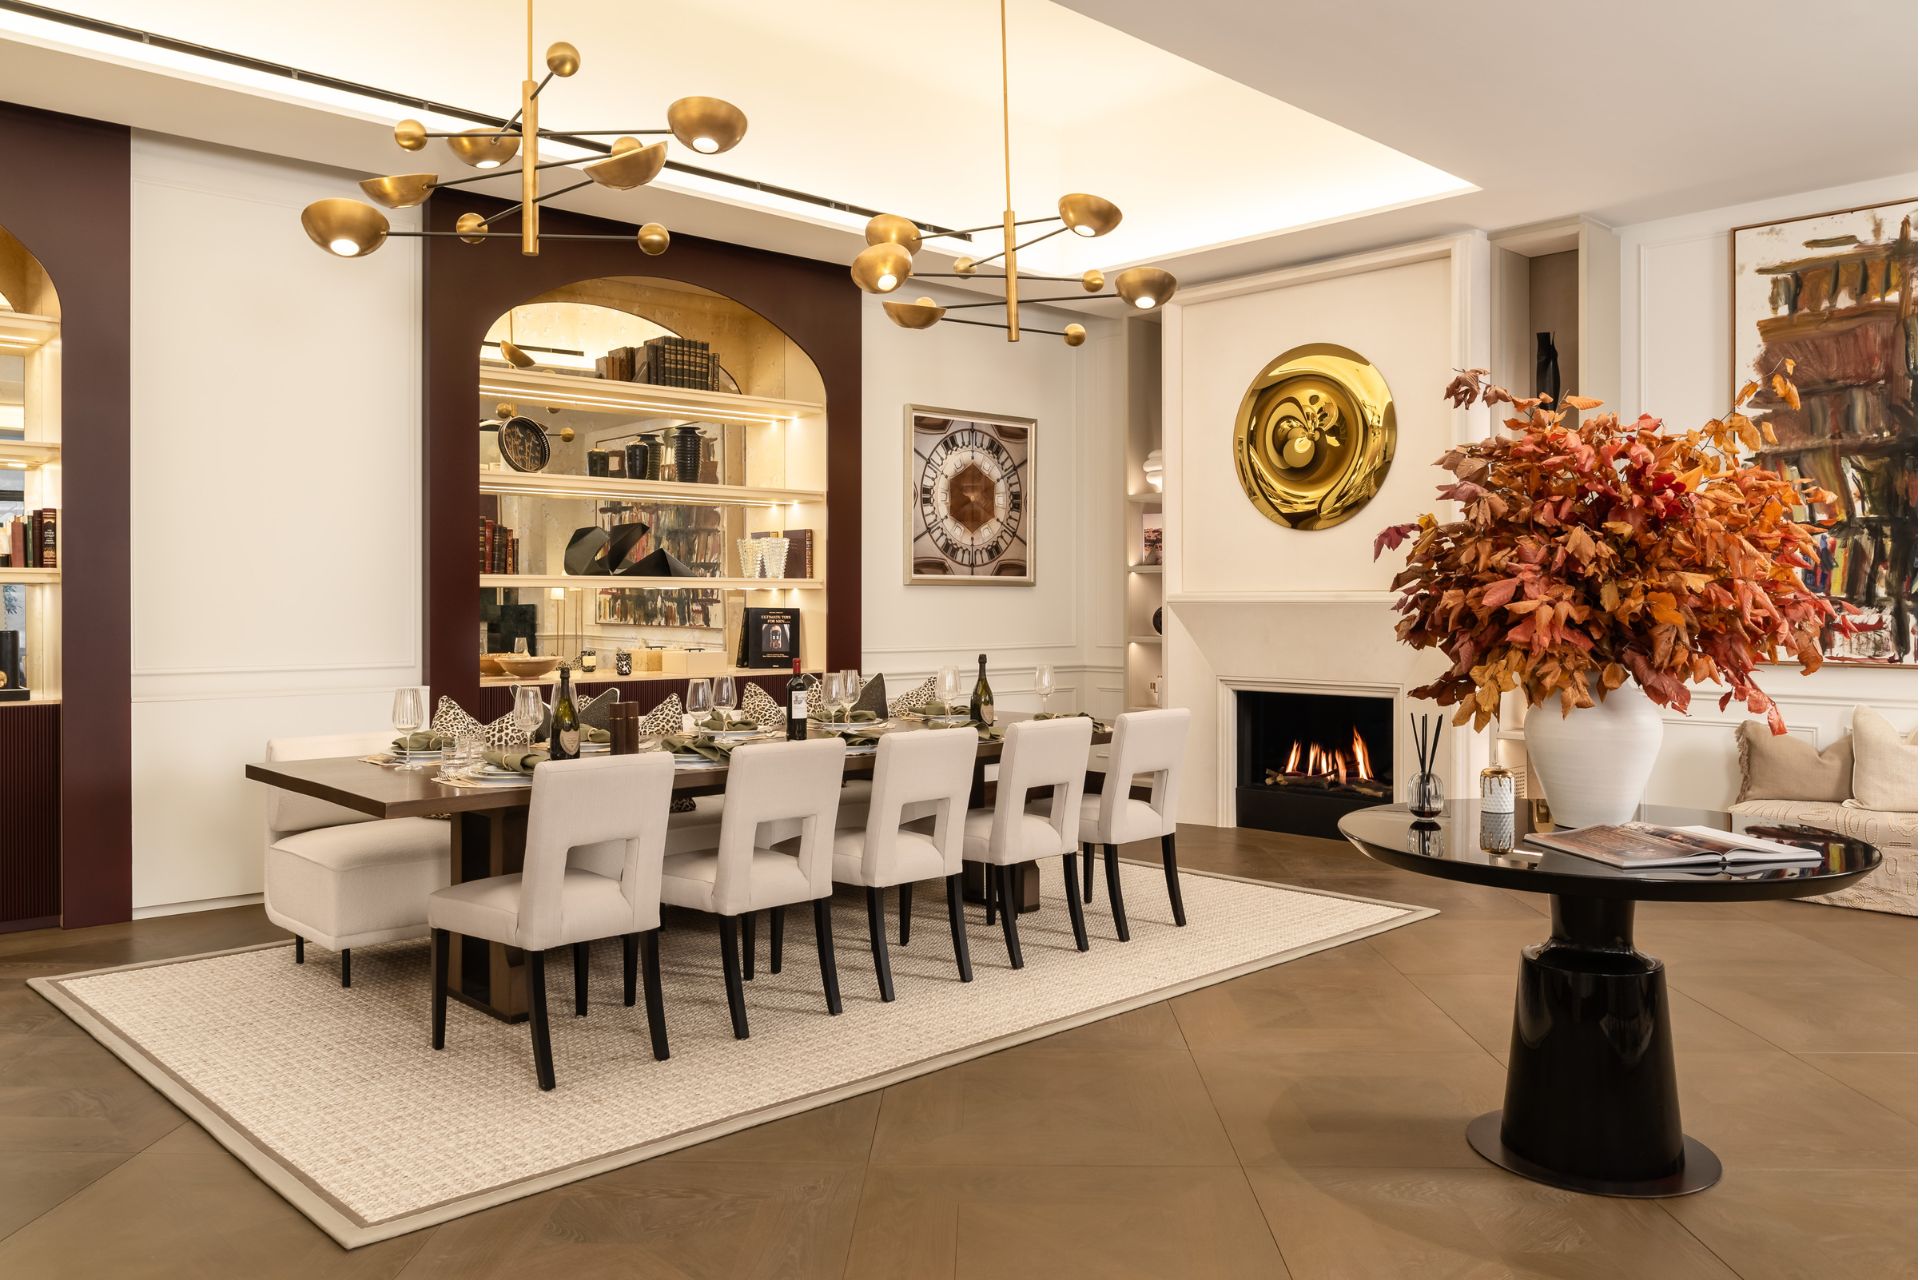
640 463
686 454
1156 620
597 462
1546 367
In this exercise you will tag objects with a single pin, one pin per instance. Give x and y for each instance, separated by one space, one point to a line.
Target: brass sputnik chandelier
354 229
887 261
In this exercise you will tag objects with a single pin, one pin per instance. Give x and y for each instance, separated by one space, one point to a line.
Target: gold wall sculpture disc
1314 436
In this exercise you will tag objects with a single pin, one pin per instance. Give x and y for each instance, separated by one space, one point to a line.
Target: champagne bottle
797 705
565 742
980 707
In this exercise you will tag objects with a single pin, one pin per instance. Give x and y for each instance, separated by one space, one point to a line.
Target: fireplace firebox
1304 760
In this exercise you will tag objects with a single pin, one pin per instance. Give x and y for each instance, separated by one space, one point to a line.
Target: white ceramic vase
1595 761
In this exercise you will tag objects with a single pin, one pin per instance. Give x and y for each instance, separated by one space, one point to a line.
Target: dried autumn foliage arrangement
1590 554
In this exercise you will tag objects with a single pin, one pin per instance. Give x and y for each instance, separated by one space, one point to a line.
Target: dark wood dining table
490 832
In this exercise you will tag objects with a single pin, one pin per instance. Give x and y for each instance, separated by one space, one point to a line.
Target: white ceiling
1235 135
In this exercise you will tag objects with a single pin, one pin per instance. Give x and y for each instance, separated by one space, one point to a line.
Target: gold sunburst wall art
1314 436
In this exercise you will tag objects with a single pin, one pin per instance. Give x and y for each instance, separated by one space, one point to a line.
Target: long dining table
489 833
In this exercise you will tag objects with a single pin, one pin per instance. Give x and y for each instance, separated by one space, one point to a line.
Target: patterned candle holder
775 556
752 556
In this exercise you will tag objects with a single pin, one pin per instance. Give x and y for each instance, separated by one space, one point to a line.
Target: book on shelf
499 548
1635 846
769 638
31 541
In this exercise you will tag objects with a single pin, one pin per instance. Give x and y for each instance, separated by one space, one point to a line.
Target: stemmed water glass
699 698
1043 683
724 697
949 688
832 694
529 709
409 713
850 689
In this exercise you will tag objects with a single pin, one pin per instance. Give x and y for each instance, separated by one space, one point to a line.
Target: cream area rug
336 1099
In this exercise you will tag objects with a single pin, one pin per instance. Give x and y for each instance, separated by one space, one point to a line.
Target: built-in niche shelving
1143 591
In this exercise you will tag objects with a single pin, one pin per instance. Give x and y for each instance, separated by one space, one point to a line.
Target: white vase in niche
1594 762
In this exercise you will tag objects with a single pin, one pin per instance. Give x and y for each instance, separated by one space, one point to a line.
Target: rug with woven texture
336 1099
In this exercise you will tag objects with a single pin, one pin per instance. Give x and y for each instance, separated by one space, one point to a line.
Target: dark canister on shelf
598 462
640 461
686 454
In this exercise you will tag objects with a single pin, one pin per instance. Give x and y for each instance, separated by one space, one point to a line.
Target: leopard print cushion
763 710
663 719
450 718
873 697
913 699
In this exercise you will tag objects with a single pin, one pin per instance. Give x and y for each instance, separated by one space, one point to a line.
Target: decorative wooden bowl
490 664
526 668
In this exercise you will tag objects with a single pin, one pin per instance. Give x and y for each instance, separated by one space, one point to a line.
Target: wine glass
409 713
832 695
949 687
528 711
519 646
1043 683
699 698
850 689
724 696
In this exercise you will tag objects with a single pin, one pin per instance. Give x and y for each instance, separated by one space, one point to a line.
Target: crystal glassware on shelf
750 556
520 646
774 556
409 714
529 709
1043 684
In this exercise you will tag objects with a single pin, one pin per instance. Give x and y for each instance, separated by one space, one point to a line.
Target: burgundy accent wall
65 193
467 287
29 816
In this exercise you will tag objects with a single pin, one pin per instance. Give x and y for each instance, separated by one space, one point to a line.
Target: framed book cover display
969 497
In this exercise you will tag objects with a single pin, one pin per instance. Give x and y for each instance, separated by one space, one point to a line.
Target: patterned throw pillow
449 717
663 719
913 699
761 707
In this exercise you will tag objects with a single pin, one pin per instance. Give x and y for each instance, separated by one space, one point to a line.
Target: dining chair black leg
579 979
1113 893
746 946
877 934
629 962
299 949
906 912
823 940
537 1018
776 937
656 1002
730 965
1075 911
1172 865
1086 872
1009 917
991 880
346 967
957 925
440 950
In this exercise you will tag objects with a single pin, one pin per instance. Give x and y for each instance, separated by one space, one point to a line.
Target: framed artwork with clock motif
969 497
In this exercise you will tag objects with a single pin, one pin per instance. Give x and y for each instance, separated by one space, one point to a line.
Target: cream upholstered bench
343 879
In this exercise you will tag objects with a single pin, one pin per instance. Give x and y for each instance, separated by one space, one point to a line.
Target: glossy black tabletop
1450 847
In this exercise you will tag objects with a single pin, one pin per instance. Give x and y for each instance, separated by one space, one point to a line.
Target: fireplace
1303 760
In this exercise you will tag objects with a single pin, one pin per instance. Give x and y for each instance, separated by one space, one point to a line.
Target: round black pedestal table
1591 1102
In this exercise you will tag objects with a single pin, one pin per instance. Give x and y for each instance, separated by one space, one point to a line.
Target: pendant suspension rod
513 121
1023 244
1006 119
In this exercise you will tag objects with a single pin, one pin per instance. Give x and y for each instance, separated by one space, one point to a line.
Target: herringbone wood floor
1304 1121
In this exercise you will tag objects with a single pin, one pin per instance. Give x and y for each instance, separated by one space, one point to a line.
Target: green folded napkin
423 740
590 734
516 758
1099 726
694 743
721 721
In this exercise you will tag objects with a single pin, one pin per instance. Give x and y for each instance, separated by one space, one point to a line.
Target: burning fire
1340 767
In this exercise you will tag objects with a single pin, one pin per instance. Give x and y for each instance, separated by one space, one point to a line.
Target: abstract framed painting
1834 293
969 492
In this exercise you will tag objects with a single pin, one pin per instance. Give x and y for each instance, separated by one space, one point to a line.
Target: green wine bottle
980 707
565 742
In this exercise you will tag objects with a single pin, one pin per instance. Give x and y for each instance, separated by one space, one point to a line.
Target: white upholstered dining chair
1039 755
771 788
345 879
595 833
921 777
1153 743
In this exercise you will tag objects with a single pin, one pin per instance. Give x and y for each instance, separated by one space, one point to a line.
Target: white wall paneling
275 512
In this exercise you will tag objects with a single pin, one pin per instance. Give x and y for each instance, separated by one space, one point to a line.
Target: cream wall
1676 362
1255 604
275 505
1070 617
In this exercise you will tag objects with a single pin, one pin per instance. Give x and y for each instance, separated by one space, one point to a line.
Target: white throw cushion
1884 764
591 906
357 884
686 880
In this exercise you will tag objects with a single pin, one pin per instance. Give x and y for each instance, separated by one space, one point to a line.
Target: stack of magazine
1635 846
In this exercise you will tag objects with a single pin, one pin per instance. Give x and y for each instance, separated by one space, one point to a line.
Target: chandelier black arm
513 121
491 174
991 226
1001 302
598 133
1024 243
989 324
